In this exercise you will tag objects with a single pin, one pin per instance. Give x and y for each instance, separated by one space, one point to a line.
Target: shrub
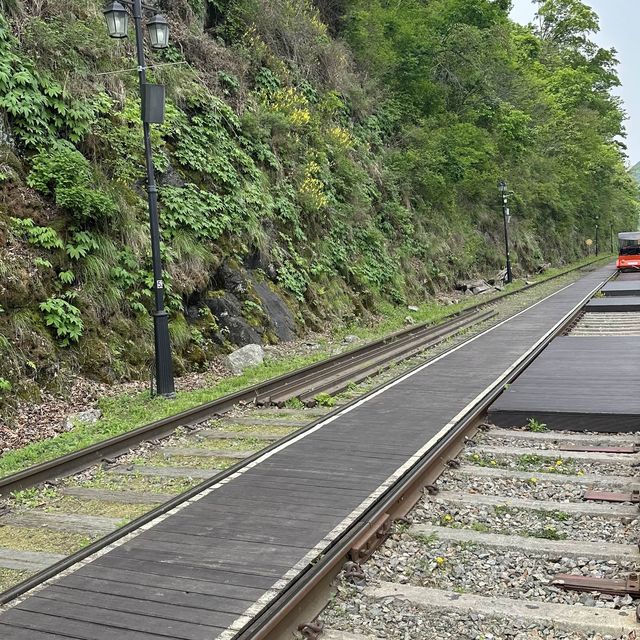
63 171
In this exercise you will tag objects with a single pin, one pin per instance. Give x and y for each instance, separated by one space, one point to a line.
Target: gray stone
409 320
480 288
412 307
280 317
239 331
224 305
90 416
350 339
250 355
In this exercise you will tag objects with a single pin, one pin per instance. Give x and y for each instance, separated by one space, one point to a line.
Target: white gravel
513 521
352 611
474 568
541 488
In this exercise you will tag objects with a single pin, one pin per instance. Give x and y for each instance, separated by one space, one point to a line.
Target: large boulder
238 330
280 317
250 355
227 310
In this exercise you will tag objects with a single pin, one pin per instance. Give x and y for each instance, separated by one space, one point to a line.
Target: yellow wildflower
440 561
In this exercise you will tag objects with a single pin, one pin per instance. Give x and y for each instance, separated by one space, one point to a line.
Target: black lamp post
502 188
597 251
117 17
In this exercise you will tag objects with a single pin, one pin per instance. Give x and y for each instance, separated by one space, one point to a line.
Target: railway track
183 460
482 553
330 376
481 538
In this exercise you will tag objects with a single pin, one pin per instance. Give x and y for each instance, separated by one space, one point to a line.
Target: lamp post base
164 366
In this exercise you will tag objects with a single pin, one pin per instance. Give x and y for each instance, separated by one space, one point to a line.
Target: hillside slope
318 161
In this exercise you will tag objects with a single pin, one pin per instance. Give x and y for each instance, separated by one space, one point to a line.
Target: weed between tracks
45 540
9 577
137 482
527 462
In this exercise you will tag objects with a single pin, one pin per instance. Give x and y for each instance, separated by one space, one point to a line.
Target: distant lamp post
597 247
502 188
117 17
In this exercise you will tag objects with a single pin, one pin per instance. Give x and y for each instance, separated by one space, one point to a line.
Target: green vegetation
9 577
535 426
129 411
325 400
24 539
341 155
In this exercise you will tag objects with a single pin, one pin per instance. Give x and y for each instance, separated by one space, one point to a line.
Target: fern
64 318
44 237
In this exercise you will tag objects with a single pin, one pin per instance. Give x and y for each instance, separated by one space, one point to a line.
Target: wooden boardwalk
614 303
205 569
577 383
622 288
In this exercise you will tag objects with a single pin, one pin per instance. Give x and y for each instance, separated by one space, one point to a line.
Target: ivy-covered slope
319 160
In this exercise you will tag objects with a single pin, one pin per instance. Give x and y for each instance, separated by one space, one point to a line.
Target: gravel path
351 611
511 521
468 567
539 488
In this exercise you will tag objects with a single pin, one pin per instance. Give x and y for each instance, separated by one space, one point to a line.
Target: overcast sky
620 29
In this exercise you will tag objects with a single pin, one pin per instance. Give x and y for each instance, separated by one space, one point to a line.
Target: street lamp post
597 248
502 188
152 96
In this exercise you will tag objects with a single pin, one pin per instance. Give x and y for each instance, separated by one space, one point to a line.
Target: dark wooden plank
580 383
127 601
614 303
622 288
8 632
185 597
325 497
226 511
128 622
212 538
242 553
24 618
289 532
255 506
194 561
174 575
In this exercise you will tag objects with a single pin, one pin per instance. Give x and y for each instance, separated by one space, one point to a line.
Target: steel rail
82 458
49 572
122 443
363 365
83 554
288 612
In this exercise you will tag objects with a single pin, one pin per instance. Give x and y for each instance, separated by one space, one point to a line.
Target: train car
629 251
